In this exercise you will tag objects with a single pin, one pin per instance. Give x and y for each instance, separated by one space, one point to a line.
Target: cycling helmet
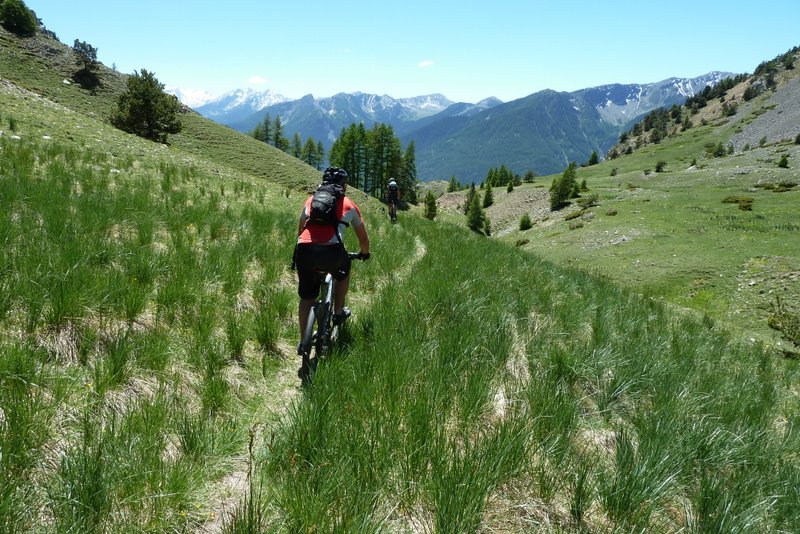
334 175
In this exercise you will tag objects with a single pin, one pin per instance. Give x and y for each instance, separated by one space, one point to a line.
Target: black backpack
323 205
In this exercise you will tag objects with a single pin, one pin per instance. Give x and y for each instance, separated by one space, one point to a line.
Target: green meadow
148 377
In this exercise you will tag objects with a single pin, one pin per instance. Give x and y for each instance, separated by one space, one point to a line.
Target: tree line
271 131
372 157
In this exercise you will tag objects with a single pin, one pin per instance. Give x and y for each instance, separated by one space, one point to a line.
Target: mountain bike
321 331
393 211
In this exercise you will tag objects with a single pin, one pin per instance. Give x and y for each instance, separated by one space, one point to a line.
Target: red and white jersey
346 212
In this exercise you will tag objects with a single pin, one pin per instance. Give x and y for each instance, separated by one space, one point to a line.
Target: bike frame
320 331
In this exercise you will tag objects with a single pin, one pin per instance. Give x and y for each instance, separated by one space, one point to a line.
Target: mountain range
542 132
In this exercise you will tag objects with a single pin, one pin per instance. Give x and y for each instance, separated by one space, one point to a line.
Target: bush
745 203
611 212
784 162
660 165
588 202
17 18
797 139
525 222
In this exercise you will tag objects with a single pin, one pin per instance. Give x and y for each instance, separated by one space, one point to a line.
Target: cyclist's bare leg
302 314
340 289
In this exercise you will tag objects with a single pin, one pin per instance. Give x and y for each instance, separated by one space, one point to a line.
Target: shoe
300 349
340 318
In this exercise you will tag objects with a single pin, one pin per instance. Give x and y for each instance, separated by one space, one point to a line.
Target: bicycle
321 332
393 211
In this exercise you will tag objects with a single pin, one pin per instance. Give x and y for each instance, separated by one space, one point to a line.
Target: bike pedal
340 318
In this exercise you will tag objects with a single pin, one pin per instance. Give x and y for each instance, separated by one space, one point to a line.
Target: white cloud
257 80
425 64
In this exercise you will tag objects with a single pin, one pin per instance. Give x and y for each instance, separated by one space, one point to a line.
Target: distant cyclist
392 197
320 247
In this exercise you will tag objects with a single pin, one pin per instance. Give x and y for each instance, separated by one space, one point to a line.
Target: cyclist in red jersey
320 249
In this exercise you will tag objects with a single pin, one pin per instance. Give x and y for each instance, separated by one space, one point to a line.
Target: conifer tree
297 146
453 185
320 154
144 109
488 197
278 140
266 129
430 205
309 153
470 196
475 215
562 188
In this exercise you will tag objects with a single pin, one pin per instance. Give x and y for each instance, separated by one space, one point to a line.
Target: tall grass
121 311
622 416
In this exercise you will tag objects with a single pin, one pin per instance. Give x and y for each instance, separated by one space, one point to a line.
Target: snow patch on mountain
191 97
241 101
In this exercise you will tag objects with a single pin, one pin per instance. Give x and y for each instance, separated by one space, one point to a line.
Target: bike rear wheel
314 343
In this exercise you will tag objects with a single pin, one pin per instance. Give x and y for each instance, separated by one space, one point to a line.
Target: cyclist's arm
363 238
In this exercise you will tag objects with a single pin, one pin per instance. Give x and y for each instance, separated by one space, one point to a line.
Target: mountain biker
320 249
392 196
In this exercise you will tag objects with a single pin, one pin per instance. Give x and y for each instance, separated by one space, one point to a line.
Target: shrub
588 202
521 242
611 212
797 139
745 203
660 165
784 162
525 222
17 18
574 225
614 171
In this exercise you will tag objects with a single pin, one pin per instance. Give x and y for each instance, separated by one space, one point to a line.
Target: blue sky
464 50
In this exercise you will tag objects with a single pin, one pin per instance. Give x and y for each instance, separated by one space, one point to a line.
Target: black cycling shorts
313 261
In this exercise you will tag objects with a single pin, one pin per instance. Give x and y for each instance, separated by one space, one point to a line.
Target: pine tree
430 205
488 197
408 176
475 215
453 185
297 146
144 109
470 196
278 140
266 129
320 154
525 222
562 188
309 153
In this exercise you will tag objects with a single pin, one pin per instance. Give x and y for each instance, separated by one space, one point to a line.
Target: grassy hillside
148 376
46 67
670 234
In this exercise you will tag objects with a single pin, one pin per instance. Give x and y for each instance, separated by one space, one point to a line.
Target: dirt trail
229 491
